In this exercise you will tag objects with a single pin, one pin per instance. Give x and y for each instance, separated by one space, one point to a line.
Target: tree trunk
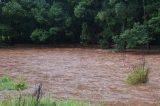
144 12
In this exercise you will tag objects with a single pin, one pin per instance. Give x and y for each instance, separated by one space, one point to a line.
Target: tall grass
36 99
7 83
31 101
138 75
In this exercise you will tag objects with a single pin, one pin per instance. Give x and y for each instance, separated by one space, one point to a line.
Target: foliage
31 101
56 12
20 85
39 35
120 9
12 8
139 75
80 21
101 16
105 38
132 38
85 37
154 25
7 83
80 9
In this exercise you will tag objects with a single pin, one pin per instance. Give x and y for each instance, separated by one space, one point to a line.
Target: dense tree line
123 23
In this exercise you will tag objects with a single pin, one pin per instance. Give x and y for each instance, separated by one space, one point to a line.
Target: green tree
13 8
81 21
39 35
132 38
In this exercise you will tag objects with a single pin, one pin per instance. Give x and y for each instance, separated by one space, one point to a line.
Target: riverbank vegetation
7 83
139 75
31 101
122 23
35 98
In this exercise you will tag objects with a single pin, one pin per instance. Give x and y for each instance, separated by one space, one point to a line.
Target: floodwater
84 74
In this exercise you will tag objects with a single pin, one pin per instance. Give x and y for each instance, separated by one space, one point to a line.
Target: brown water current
84 74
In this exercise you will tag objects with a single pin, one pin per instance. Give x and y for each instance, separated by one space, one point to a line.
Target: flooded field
84 74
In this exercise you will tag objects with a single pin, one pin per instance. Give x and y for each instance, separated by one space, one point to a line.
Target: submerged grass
139 75
7 83
31 101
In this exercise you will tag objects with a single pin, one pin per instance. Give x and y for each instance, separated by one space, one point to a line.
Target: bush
139 75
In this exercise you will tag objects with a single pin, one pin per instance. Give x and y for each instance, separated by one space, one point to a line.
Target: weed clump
20 85
7 83
139 75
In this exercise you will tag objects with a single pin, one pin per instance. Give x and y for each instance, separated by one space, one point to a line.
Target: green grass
20 85
7 83
138 76
30 101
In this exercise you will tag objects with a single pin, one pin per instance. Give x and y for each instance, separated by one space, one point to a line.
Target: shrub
139 75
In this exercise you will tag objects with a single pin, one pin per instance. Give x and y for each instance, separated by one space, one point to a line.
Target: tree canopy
124 23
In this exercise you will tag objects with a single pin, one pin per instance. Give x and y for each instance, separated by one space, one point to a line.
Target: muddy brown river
84 74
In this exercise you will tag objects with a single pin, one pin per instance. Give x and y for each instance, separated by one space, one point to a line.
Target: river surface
84 74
